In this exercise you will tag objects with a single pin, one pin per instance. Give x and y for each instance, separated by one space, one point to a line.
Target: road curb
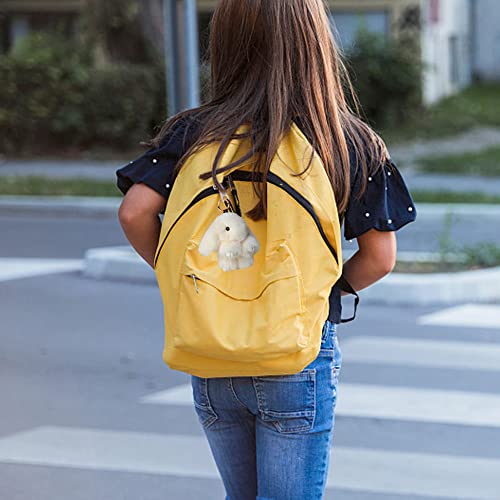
124 264
117 263
68 205
87 204
435 288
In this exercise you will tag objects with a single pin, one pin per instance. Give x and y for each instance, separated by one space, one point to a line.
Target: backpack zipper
200 196
240 175
278 181
195 284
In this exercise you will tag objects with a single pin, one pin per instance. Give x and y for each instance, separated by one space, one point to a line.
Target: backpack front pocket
248 314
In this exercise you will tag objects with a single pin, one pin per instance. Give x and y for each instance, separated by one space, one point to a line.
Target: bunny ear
210 241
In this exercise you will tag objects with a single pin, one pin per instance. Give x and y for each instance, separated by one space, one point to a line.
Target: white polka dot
367 214
130 162
389 221
167 185
369 179
388 173
154 160
410 209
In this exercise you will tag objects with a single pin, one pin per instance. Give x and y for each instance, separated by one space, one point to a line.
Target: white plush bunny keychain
230 237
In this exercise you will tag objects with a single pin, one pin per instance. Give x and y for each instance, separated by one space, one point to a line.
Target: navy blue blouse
386 204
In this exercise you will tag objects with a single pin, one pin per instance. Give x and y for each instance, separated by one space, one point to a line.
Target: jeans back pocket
201 400
287 402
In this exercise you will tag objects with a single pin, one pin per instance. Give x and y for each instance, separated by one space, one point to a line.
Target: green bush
386 75
42 82
53 97
120 27
118 105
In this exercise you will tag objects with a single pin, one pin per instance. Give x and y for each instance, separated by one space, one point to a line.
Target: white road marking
467 316
419 405
395 403
374 470
416 352
178 395
12 268
423 474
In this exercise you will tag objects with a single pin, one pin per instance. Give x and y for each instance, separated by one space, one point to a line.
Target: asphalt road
90 411
46 235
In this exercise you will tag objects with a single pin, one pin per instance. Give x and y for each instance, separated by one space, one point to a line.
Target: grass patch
429 267
42 186
441 196
480 256
436 267
485 163
476 106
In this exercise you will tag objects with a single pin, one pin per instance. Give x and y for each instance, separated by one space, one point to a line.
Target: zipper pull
195 284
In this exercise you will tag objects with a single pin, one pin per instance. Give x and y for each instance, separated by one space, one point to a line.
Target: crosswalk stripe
467 315
13 268
417 352
419 405
178 395
422 474
384 402
374 470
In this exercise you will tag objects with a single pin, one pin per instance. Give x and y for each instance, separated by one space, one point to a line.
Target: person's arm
139 218
375 259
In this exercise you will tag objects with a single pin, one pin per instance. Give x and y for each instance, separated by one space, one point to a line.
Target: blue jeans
271 436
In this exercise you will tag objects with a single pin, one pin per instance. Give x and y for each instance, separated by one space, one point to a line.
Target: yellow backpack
266 319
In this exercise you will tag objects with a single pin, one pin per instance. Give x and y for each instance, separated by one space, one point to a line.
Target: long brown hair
271 61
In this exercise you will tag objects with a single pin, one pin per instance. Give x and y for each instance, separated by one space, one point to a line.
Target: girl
273 62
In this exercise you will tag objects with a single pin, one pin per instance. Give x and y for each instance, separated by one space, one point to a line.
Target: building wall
486 39
446 47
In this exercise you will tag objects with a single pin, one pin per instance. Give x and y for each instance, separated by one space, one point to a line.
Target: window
349 23
454 55
21 24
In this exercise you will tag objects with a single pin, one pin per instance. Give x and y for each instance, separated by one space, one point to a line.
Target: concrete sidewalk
105 171
470 141
418 181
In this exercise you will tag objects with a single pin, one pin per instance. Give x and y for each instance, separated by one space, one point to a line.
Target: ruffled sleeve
155 167
386 205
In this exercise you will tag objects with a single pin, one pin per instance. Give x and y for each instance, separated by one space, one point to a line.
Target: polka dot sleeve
155 167
386 205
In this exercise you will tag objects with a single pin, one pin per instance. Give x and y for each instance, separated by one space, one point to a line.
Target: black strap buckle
228 184
345 286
